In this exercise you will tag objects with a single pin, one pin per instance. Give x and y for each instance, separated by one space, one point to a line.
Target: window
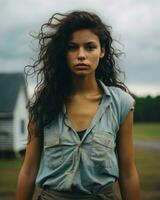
22 126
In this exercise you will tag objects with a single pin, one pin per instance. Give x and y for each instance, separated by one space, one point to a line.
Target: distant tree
147 109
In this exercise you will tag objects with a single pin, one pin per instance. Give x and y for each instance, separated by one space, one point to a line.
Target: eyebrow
87 43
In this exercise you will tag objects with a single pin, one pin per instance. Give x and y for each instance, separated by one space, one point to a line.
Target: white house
13 114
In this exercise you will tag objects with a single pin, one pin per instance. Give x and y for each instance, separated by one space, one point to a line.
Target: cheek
70 58
95 58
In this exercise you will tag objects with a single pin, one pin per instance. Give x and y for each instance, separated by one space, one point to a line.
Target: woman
80 125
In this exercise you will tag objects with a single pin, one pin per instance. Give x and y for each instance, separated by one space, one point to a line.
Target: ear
102 52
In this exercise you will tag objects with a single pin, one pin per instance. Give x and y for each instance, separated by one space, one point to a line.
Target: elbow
129 184
28 175
129 173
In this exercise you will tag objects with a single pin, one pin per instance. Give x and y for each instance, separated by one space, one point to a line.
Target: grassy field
147 161
150 131
148 165
8 177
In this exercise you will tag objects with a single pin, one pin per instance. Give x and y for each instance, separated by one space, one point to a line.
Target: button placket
97 117
76 158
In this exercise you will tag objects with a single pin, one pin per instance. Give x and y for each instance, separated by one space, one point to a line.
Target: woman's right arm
28 172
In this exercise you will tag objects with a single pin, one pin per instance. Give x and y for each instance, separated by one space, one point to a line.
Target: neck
85 86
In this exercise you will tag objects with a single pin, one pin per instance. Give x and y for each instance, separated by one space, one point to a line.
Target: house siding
6 136
20 113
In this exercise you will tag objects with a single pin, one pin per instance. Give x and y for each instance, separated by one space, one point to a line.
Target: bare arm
128 180
28 172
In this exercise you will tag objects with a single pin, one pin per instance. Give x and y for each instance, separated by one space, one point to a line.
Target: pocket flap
51 140
104 139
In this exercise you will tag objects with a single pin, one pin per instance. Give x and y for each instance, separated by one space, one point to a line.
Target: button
79 144
108 106
70 172
57 142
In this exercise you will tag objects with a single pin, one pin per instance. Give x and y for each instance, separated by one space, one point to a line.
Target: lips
81 65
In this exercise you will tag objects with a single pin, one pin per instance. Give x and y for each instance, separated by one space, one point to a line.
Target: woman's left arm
128 178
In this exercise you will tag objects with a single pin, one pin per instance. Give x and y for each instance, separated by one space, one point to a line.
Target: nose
81 54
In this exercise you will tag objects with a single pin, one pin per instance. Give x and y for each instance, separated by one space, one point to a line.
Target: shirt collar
105 88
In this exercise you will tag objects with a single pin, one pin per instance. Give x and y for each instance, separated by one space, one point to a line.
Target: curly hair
54 82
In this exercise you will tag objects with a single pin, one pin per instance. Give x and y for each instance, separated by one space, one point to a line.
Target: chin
81 74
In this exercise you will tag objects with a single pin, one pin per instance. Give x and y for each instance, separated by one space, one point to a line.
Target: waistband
45 194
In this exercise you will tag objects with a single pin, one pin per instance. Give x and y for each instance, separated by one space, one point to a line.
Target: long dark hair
54 82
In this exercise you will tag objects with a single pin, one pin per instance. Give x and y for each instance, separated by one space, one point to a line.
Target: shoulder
116 93
122 100
119 94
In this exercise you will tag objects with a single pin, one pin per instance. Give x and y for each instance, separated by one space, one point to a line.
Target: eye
90 47
71 47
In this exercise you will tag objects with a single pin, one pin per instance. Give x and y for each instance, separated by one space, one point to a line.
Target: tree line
147 109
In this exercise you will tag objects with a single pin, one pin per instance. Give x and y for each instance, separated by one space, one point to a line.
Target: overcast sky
135 23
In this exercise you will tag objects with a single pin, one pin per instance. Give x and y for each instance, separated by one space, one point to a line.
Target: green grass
10 164
148 165
9 170
147 131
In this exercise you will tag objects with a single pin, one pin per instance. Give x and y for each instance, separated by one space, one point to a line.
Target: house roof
10 84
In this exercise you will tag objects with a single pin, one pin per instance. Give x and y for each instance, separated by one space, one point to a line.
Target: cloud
135 24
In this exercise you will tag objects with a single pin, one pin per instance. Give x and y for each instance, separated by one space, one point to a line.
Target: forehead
83 36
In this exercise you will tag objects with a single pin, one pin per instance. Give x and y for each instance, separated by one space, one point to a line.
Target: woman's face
83 52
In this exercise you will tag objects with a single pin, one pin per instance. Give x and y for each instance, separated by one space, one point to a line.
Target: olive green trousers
41 194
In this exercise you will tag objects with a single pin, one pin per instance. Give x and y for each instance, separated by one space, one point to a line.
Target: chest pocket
102 149
53 150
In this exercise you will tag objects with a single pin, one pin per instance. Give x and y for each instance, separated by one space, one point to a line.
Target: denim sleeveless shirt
88 165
